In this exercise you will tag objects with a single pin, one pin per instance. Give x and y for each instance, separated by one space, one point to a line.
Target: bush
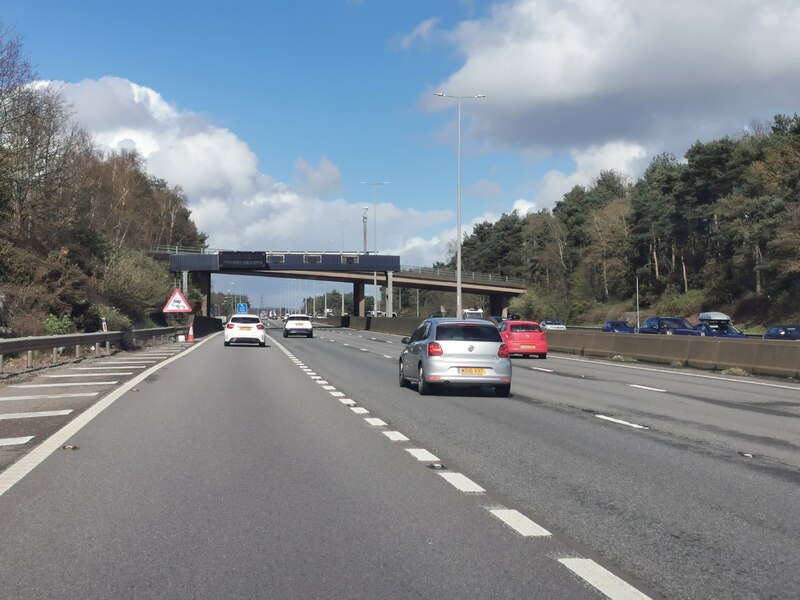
673 303
54 325
115 319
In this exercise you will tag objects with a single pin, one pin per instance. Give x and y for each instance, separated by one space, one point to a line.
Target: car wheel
402 378
423 387
311 334
543 355
285 334
262 344
502 391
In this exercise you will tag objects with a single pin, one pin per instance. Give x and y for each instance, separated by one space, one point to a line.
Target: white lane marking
375 422
387 356
519 522
315 376
337 394
48 396
347 401
29 415
462 483
605 581
395 436
644 387
422 455
541 369
363 349
106 374
321 381
107 368
15 441
52 385
388 342
698 375
621 422
346 345
374 339
329 387
29 462
312 374
360 410
126 362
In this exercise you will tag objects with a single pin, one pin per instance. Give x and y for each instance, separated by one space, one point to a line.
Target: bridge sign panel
241 307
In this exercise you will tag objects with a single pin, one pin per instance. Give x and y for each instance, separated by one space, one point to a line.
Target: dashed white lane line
48 396
359 410
605 581
621 422
315 377
462 483
321 381
106 374
541 369
29 415
347 402
375 422
387 356
395 436
15 441
52 385
363 349
329 387
519 522
337 394
644 387
107 368
422 455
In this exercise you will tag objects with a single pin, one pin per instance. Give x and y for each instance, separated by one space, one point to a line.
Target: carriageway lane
235 474
689 518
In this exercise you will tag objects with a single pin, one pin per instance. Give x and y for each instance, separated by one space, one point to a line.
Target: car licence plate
528 346
245 328
471 371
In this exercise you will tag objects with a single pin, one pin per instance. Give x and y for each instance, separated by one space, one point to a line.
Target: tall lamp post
374 185
343 221
459 309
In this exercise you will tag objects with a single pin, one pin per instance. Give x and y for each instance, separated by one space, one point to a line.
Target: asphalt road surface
302 470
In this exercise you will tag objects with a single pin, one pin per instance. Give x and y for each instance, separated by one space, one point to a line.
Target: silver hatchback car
455 352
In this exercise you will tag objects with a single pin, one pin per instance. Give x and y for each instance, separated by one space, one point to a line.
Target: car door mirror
405 340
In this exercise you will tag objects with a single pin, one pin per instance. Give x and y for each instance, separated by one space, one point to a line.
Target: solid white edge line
621 422
602 579
30 461
462 483
520 523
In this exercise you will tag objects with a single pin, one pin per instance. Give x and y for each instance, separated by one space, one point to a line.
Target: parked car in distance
717 324
782 332
298 325
455 352
618 327
245 328
668 326
552 324
524 337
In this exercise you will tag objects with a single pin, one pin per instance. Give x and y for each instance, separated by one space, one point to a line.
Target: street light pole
459 308
374 185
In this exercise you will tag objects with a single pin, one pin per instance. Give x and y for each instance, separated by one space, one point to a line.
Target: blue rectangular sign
241 307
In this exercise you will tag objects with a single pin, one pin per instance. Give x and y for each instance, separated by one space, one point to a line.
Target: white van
473 313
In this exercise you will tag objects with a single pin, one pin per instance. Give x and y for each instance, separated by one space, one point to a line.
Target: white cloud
236 205
484 189
421 33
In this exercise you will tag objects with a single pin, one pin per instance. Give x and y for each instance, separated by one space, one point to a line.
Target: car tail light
502 351
434 349
259 327
229 326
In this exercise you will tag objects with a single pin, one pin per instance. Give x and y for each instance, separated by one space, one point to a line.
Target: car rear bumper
527 347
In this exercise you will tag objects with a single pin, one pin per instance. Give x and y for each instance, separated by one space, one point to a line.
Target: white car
298 325
245 328
552 325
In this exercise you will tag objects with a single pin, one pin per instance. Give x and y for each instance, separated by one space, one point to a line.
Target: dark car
668 326
783 332
717 324
618 327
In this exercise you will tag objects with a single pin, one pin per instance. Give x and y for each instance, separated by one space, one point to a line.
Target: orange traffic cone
190 339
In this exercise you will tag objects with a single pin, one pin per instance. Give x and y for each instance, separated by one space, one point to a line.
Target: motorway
302 470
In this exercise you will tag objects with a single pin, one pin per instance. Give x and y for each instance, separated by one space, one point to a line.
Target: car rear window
525 327
245 320
472 333
298 318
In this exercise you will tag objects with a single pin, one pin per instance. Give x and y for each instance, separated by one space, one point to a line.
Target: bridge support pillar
359 304
389 294
498 304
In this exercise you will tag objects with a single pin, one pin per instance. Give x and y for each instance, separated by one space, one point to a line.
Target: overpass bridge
358 269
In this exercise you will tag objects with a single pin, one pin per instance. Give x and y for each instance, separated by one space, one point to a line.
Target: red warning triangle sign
177 304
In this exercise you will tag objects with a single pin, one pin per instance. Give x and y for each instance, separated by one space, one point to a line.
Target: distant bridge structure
357 268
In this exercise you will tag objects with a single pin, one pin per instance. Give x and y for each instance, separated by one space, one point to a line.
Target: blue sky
271 114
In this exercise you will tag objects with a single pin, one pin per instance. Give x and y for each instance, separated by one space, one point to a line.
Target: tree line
718 230
75 221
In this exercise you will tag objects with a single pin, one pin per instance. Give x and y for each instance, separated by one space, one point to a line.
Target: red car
524 337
